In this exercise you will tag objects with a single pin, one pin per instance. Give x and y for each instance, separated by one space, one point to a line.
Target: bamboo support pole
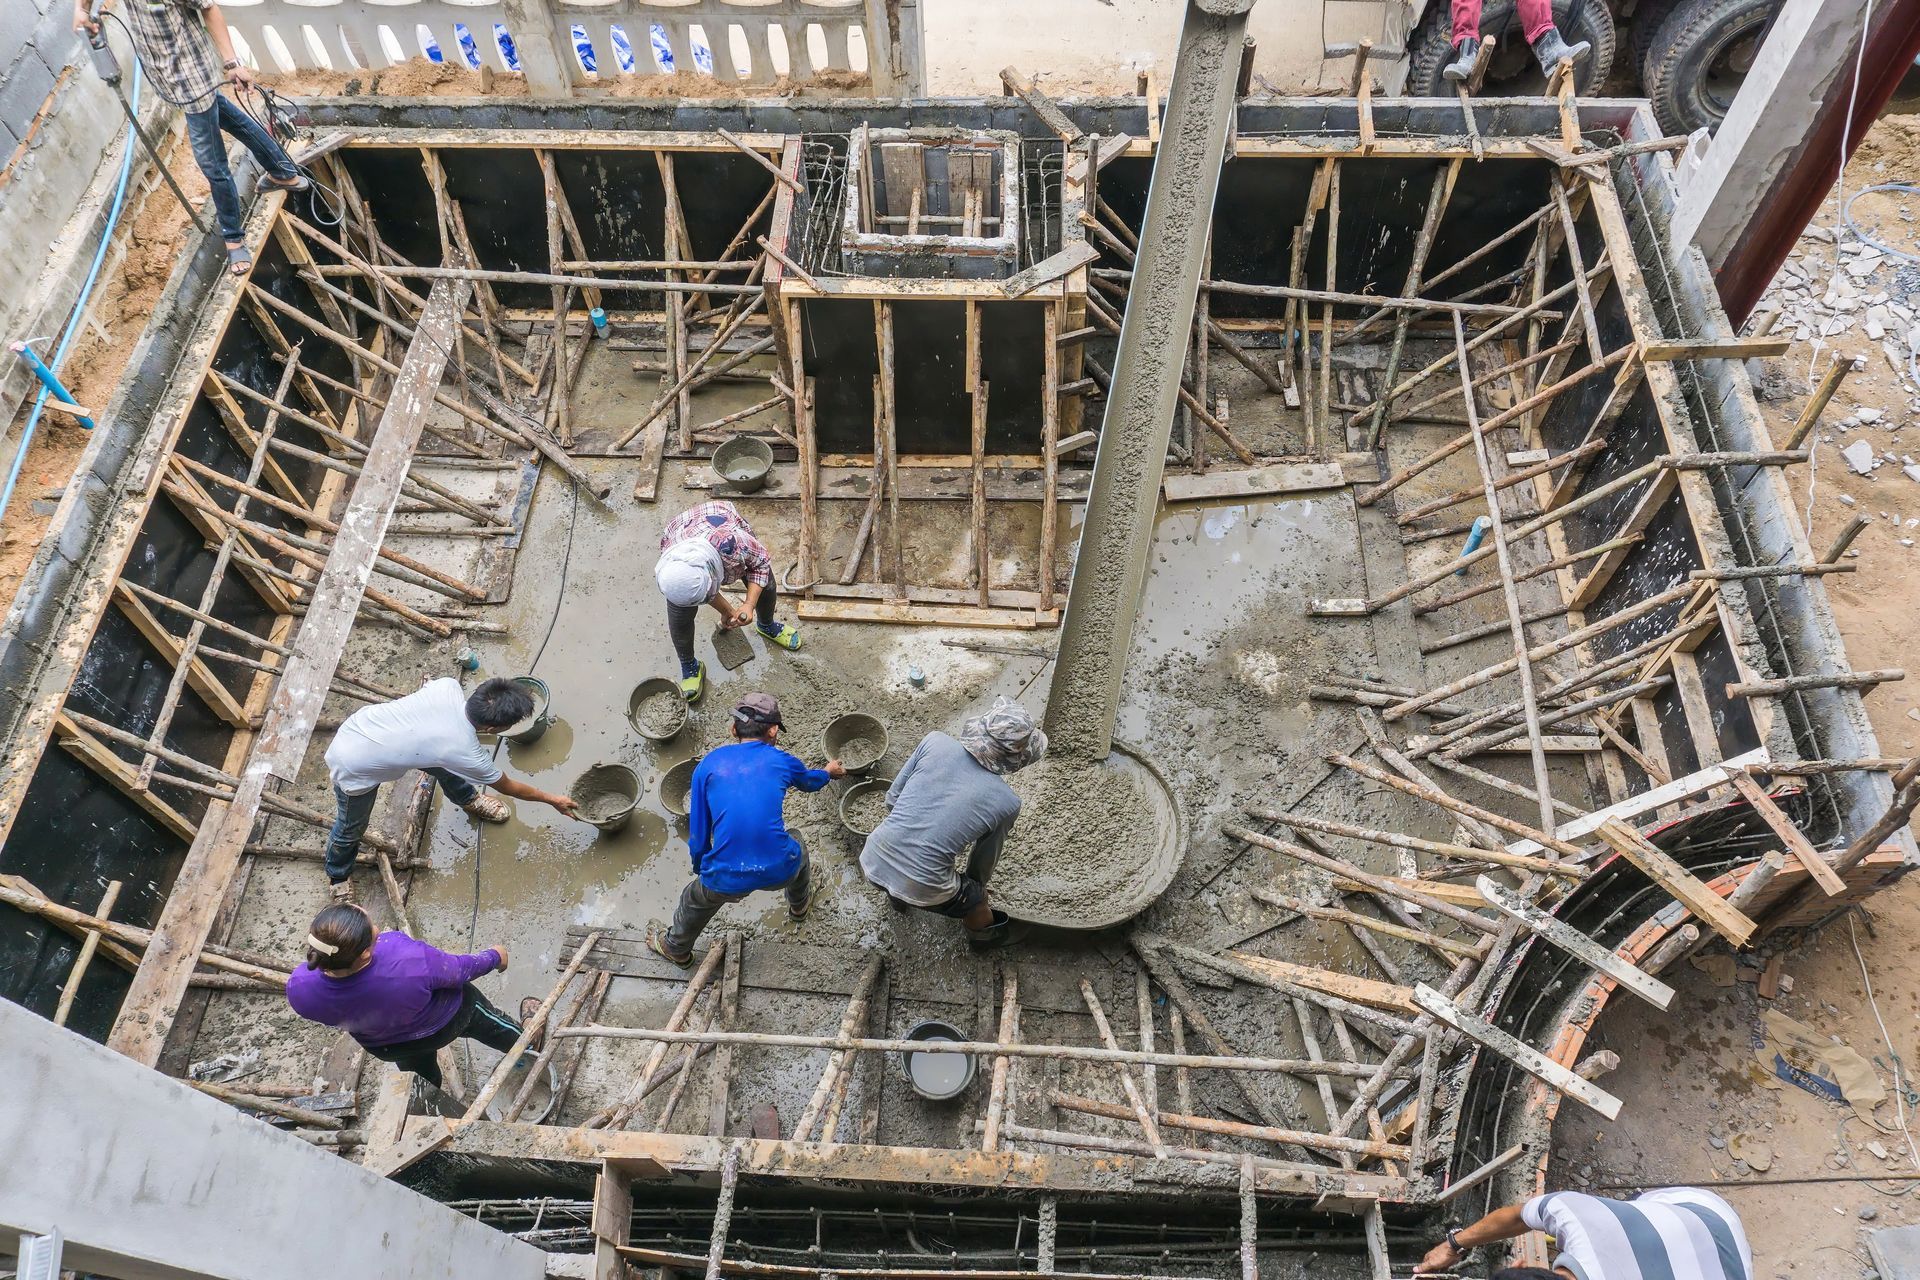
214 957
1570 238
1906 796
1523 575
852 1021
1244 969
1433 795
1303 1016
83 961
616 1117
478 1107
1132 1090
739 415
1182 1079
1326 311
1002 1064
1584 707
1817 402
1533 310
685 1073
1437 200
1440 277
1508 481
1541 652
972 1048
688 380
1143 1019
723 1210
1335 297
1503 559
1418 844
1339 915
1132 1147
1233 1128
1802 684
1347 871
1485 779
478 275
252 1102
1541 397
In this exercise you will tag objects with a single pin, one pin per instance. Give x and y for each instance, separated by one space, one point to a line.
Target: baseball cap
758 712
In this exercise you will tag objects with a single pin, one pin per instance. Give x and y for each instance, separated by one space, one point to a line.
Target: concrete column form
148 1180
1780 149
546 53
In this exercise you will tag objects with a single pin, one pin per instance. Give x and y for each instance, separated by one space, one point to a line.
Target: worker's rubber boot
1003 932
695 684
1551 50
342 892
1464 53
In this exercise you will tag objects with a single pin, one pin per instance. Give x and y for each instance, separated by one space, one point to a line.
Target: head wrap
1005 739
689 572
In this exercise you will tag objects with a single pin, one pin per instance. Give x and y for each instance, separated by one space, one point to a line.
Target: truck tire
1698 57
1512 71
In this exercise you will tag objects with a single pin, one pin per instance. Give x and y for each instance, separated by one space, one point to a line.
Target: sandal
239 259
529 1007
298 182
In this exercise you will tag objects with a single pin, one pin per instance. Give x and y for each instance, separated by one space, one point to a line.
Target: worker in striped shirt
1680 1233
703 549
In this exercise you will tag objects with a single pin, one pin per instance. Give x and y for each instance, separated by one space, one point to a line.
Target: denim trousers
698 905
351 814
210 153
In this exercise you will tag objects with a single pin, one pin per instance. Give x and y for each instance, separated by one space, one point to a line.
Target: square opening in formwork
932 202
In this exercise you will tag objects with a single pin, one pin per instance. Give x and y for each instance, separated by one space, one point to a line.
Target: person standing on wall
736 830
702 550
187 52
1678 1233
400 999
436 730
951 807
1536 23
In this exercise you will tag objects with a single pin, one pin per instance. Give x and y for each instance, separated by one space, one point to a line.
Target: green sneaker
783 635
691 687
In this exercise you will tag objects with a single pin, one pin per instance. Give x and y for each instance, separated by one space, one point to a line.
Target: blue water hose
1475 536
80 306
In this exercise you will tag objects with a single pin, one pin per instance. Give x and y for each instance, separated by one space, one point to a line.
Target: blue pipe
46 371
1475 536
48 378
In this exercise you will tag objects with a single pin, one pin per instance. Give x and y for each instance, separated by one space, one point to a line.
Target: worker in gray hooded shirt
951 802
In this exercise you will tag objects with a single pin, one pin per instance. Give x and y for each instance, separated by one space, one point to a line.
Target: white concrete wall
149 1180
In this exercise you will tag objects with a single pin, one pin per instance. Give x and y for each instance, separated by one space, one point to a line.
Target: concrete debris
1859 456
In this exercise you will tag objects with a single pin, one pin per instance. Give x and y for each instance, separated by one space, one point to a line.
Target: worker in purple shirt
736 831
402 1000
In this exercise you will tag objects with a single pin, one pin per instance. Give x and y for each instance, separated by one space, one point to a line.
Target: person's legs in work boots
693 673
478 804
204 130
1466 40
1536 23
351 814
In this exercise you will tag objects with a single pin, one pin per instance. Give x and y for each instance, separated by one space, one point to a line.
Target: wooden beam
1796 843
1715 348
1575 943
1524 1056
1680 883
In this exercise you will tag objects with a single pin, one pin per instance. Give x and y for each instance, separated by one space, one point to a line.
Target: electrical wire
1899 1084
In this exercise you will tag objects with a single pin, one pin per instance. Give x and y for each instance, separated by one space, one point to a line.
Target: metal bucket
618 784
935 1076
851 800
857 731
744 463
676 788
645 692
529 730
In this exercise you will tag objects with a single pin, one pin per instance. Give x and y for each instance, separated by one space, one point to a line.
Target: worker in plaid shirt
702 550
187 53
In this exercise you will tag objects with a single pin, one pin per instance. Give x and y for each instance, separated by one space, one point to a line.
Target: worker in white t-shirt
436 730
1678 1233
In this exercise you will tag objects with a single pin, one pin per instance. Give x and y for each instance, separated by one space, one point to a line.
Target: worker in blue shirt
737 833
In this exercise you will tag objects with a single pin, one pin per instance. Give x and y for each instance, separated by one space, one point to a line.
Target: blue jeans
351 814
210 153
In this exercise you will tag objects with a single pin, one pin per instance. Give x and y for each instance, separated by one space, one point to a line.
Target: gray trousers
698 905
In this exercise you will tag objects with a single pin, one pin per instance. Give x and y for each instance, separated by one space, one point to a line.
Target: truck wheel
1512 71
1698 59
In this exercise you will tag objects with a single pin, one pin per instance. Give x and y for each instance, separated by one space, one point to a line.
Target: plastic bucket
676 788
652 696
856 740
857 806
744 463
539 1108
529 730
607 794
936 1076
